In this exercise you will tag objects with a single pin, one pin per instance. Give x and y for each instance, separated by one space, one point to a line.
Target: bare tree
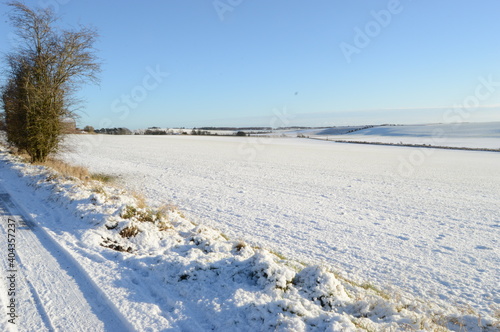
44 72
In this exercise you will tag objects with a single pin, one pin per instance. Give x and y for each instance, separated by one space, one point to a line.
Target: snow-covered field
424 220
459 135
84 256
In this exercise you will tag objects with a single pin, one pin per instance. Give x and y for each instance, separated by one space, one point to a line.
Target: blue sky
287 62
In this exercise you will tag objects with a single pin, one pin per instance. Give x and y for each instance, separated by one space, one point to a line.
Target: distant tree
44 72
114 131
241 133
89 129
123 131
153 131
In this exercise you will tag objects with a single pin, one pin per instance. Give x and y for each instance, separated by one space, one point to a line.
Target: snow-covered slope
173 275
464 130
424 220
466 135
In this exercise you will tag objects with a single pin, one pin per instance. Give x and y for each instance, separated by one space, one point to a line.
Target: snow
423 220
458 135
368 245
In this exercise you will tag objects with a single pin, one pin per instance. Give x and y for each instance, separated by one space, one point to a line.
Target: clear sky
172 63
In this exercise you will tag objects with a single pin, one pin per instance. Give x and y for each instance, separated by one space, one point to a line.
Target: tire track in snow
33 315
60 293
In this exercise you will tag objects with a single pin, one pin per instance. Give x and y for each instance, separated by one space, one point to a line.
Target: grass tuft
143 215
104 178
239 246
140 200
163 226
277 254
108 243
98 190
129 212
129 231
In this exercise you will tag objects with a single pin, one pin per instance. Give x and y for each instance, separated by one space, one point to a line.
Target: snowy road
426 220
49 290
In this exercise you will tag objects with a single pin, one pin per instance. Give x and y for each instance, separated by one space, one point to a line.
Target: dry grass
239 246
63 168
362 323
59 166
166 208
144 214
66 169
98 190
163 226
365 286
25 157
104 178
108 243
369 286
129 212
141 201
129 231
132 212
279 255
496 312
